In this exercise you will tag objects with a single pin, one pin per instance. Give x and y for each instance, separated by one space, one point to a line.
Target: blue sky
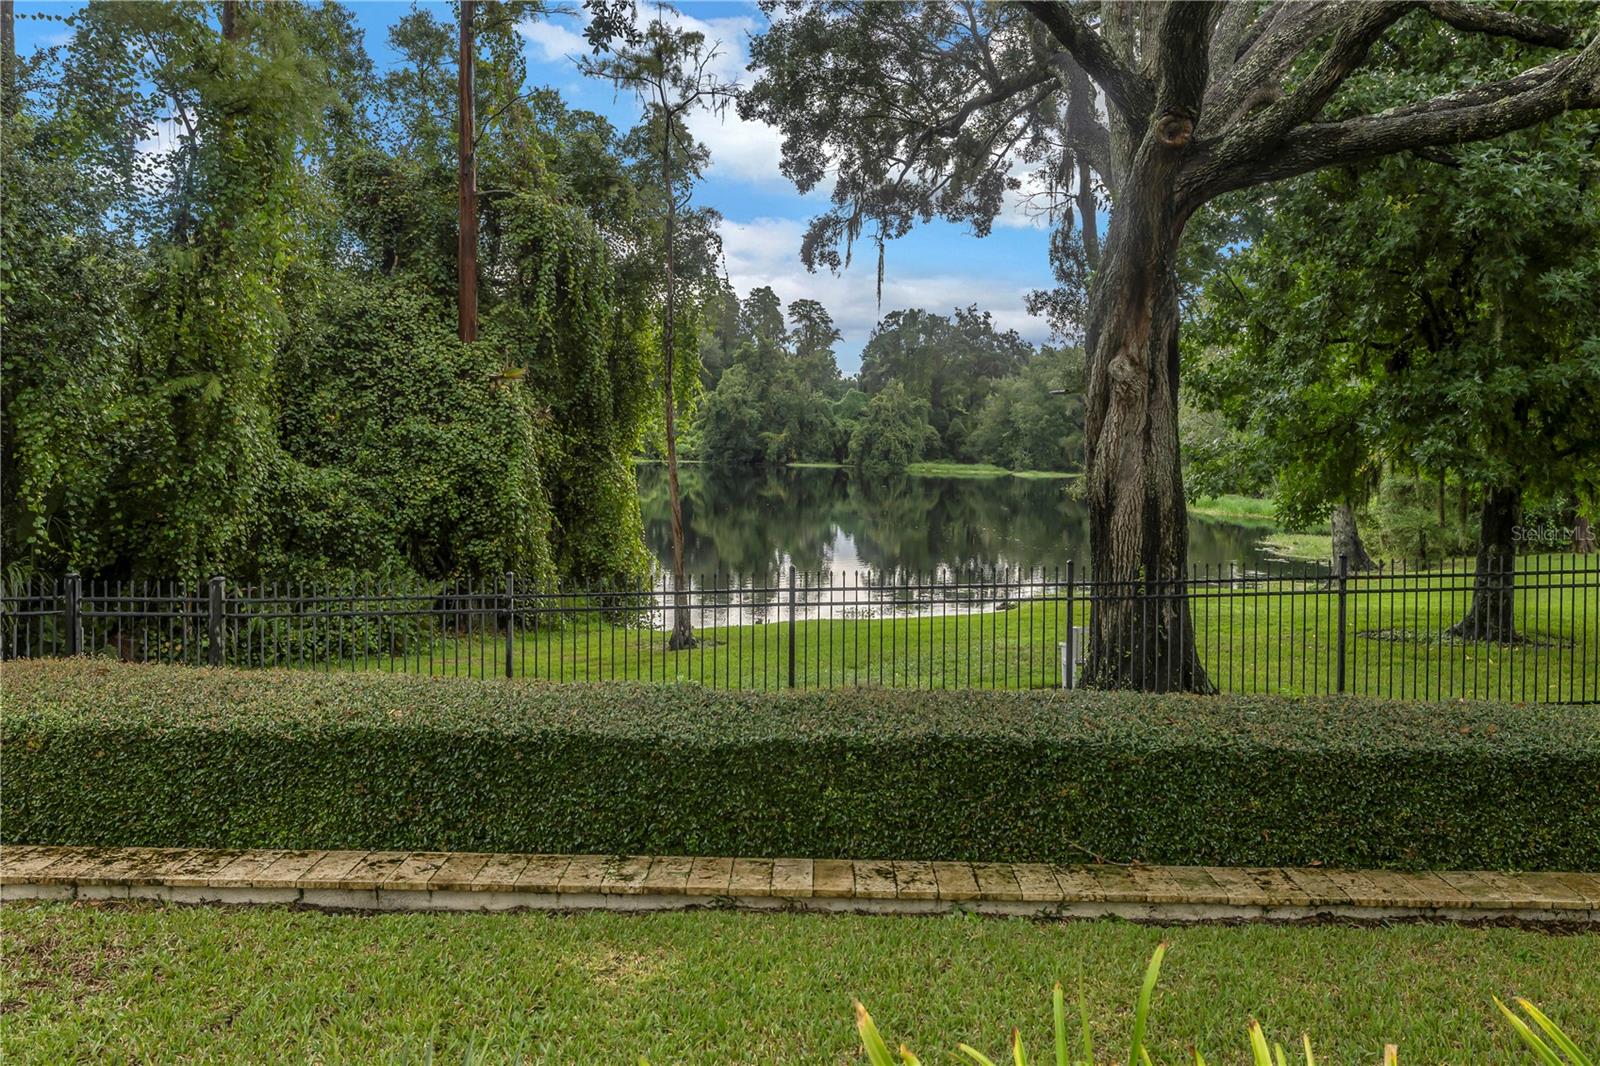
937 267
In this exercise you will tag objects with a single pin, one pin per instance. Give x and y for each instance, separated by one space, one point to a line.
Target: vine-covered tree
922 110
229 306
213 225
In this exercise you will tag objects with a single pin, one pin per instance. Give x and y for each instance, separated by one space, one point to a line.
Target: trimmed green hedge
105 754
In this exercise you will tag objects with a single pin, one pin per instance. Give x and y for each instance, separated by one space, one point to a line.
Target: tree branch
1183 34
1083 133
1127 90
1569 83
1276 39
1486 18
1002 92
1361 27
1230 33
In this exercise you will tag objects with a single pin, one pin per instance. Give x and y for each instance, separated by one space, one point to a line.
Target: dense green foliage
103 754
1433 316
893 433
774 390
951 363
931 387
1033 420
263 375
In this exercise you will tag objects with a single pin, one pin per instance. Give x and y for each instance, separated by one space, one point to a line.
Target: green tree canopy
949 362
894 432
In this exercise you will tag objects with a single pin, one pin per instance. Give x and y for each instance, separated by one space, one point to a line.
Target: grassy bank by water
1235 508
979 470
124 982
1302 547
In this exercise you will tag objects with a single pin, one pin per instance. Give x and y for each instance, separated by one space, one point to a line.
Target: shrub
95 753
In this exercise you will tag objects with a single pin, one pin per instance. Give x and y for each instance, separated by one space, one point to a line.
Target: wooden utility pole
230 20
467 179
8 58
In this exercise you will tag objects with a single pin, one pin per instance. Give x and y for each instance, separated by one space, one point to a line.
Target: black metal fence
1289 628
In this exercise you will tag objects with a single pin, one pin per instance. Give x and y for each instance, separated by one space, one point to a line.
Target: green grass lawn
1244 509
1305 547
1249 642
142 982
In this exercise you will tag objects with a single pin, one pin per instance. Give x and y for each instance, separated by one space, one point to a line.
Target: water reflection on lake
758 521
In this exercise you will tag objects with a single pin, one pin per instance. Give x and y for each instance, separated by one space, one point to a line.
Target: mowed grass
979 470
1279 635
144 982
1307 547
1243 509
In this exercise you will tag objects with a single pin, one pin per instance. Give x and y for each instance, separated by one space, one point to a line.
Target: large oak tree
917 110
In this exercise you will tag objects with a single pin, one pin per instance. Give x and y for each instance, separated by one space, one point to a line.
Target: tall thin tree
672 72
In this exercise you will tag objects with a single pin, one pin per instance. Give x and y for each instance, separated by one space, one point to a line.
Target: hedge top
63 693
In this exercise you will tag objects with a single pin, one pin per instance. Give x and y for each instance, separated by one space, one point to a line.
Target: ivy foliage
262 375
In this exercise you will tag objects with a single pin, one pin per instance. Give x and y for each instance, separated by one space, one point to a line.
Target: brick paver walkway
400 880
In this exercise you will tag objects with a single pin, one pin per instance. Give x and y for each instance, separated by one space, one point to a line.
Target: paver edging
398 880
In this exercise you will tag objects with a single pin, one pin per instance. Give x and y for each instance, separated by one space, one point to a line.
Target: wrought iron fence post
1344 578
1069 656
511 618
74 590
214 623
791 627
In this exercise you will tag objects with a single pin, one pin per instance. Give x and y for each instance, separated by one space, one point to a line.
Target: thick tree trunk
1347 539
1492 614
1583 541
1141 631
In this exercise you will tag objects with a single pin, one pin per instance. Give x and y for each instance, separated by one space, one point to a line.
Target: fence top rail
1529 572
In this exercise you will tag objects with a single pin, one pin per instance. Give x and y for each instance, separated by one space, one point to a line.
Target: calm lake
756 521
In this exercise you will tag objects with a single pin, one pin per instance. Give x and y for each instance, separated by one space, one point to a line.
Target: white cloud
163 139
741 149
766 251
553 42
746 150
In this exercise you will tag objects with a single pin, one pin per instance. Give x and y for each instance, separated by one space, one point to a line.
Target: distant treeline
946 387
